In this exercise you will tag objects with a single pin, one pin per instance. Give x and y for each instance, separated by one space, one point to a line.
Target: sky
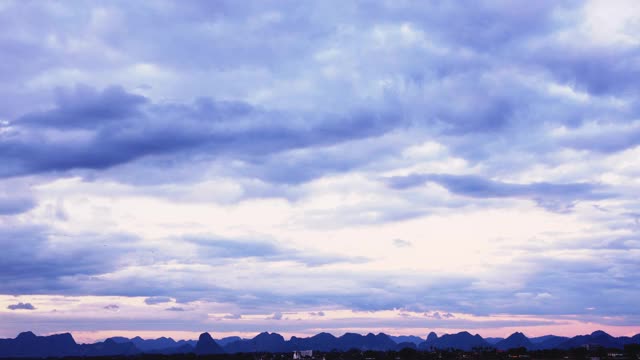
174 167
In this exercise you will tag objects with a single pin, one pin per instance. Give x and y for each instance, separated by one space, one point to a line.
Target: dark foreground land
630 352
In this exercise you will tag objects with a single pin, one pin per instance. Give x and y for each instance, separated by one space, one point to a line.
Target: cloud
175 308
603 138
402 243
110 135
529 103
275 316
221 248
433 315
16 197
233 316
597 70
21 306
36 260
86 108
317 313
555 197
157 300
12 205
112 307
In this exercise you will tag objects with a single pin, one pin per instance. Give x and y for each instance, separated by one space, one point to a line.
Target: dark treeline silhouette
28 345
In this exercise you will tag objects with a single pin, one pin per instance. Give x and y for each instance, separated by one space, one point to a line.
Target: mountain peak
516 335
26 335
66 337
515 340
600 333
206 345
205 337
267 335
325 335
432 336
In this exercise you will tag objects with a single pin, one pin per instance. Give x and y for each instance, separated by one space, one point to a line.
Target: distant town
324 346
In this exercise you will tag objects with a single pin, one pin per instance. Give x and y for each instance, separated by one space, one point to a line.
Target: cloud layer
255 163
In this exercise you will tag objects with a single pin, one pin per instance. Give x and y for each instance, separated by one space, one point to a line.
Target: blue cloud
121 131
12 205
214 248
175 308
85 107
549 195
157 300
21 306
31 265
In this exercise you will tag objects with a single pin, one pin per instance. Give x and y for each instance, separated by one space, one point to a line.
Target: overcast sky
173 167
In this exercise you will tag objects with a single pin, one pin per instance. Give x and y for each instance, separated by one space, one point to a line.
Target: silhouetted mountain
320 342
108 348
348 341
547 342
493 340
461 341
27 344
120 339
412 339
263 342
227 340
149 344
541 339
153 344
369 342
596 338
515 340
206 345
193 343
429 343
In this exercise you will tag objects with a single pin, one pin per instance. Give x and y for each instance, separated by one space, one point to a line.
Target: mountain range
27 344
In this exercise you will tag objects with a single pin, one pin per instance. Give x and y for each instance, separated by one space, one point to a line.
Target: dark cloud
114 126
555 197
32 261
175 308
87 108
157 300
119 134
21 306
598 70
494 25
112 307
433 315
220 248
